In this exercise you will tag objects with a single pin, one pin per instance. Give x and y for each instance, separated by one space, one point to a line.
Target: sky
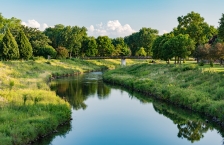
114 18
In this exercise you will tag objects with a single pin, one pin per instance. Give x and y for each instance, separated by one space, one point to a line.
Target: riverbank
28 109
188 86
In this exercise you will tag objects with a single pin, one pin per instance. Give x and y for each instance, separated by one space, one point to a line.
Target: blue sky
110 17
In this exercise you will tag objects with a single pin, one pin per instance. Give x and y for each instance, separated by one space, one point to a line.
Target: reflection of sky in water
120 120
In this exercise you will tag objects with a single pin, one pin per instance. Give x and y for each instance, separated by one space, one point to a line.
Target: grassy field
28 108
198 88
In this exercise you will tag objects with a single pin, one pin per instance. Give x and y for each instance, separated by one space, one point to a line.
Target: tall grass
186 85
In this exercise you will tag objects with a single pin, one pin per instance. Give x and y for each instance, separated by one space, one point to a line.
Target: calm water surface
105 115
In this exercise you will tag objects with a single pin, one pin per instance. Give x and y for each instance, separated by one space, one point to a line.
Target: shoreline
149 87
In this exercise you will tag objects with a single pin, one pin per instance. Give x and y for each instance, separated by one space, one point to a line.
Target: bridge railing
118 57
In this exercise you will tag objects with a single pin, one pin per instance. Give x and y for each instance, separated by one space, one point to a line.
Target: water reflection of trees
192 130
76 90
191 126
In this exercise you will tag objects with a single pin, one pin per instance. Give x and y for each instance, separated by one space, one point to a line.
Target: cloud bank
34 24
112 29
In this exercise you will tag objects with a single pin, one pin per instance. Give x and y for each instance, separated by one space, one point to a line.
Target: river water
108 115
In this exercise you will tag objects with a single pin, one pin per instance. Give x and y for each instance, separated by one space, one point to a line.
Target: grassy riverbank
188 85
28 108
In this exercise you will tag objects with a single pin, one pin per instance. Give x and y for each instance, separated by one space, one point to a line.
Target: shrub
47 51
62 52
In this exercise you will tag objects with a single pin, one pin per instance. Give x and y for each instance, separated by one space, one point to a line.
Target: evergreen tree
221 28
25 48
9 49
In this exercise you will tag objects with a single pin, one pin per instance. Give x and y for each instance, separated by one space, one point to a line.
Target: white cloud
34 24
44 26
111 29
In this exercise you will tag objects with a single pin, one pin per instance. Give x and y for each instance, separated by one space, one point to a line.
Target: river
109 115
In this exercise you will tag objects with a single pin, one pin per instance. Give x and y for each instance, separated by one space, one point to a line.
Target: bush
47 51
62 52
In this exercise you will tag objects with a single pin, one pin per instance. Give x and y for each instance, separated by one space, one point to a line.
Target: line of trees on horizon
193 37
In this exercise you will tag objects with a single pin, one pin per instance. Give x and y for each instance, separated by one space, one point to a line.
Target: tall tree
104 46
25 48
158 46
54 34
193 25
39 41
89 47
144 38
182 46
221 28
72 38
9 49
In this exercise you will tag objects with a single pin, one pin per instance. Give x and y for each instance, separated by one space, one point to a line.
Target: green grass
28 108
188 85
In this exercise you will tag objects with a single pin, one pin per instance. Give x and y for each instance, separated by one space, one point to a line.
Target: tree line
192 37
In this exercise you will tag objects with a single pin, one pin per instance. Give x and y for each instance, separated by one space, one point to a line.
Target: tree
217 52
104 46
72 38
158 49
203 51
25 48
193 25
221 28
144 38
132 42
141 52
69 37
37 39
9 49
181 46
89 47
120 47
54 35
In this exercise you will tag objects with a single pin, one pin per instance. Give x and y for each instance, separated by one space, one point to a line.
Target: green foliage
193 25
144 38
104 46
161 49
47 51
37 39
221 28
182 45
141 52
25 48
89 47
69 37
120 47
62 53
9 49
